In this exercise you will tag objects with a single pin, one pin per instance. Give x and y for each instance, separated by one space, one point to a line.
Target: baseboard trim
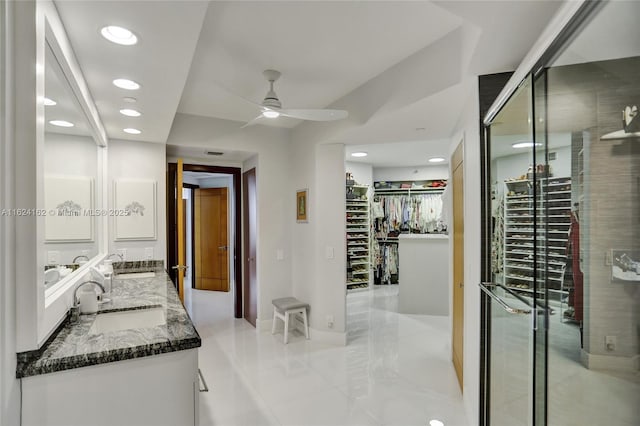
610 362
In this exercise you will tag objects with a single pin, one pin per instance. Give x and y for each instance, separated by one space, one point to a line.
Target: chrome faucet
115 254
80 257
75 309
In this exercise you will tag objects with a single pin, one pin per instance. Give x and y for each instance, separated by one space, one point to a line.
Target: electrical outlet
330 321
610 343
122 253
148 253
53 257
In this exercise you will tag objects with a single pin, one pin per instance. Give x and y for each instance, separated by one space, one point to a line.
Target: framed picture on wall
69 203
134 210
302 205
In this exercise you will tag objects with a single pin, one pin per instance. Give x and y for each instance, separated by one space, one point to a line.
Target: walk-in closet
397 221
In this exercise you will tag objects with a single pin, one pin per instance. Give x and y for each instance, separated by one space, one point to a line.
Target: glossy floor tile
395 370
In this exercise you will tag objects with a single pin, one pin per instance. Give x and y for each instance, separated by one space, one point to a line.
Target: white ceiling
393 65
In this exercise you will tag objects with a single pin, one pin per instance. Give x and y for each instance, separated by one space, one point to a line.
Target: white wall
468 130
9 386
276 201
410 173
328 219
143 161
362 172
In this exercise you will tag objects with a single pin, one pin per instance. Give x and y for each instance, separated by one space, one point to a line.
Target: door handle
223 247
461 285
179 267
250 259
485 288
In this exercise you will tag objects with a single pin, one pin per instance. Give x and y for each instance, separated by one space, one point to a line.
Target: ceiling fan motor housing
271 100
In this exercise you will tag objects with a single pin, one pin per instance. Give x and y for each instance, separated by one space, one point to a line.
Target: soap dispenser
88 301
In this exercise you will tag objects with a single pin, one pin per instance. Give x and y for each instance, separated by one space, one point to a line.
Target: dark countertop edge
28 370
26 360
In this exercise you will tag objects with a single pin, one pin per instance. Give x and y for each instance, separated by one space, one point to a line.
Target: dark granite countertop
72 346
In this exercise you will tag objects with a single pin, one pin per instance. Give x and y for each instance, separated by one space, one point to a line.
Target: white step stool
286 306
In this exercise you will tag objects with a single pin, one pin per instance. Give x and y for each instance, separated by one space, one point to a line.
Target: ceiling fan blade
315 114
253 121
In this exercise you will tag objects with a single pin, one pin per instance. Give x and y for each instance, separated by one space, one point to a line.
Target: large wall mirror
69 168
70 180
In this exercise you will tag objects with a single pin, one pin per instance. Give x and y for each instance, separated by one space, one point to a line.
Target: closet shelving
554 219
358 236
387 229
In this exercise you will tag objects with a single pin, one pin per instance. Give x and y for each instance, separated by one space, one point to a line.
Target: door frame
172 235
191 187
247 238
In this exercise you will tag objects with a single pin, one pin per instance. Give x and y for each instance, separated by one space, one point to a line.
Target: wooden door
458 261
182 262
211 239
250 223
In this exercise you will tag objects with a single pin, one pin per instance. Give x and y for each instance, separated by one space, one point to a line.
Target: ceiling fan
271 107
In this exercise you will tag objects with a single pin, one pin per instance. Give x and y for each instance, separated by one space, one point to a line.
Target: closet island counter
424 276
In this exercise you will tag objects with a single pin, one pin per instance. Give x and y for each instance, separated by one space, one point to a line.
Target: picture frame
302 205
625 266
69 203
134 210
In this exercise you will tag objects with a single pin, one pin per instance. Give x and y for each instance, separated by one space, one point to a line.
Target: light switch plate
329 252
280 254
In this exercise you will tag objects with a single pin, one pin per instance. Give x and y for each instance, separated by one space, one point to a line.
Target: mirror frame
40 313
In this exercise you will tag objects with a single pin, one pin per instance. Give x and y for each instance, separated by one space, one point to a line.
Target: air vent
552 156
214 153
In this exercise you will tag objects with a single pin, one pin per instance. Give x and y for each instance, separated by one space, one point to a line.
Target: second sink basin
124 320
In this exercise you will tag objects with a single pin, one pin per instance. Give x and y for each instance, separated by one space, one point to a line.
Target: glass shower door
516 337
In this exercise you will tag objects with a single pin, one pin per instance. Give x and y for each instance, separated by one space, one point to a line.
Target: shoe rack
554 211
358 236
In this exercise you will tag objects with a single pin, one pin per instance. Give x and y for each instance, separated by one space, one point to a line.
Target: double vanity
133 362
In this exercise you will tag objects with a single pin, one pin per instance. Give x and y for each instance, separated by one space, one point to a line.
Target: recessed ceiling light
123 83
119 35
436 159
49 102
130 100
271 113
359 154
132 131
61 123
435 422
130 112
525 144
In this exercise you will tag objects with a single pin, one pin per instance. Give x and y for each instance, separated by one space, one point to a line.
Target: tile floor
394 371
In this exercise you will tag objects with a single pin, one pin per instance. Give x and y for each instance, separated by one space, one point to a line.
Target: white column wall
468 131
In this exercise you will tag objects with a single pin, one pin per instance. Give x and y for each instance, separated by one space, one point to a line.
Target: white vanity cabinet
159 390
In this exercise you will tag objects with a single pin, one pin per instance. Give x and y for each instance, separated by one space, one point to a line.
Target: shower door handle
516 311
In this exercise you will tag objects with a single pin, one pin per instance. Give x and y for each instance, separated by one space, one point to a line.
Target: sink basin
125 320
136 275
